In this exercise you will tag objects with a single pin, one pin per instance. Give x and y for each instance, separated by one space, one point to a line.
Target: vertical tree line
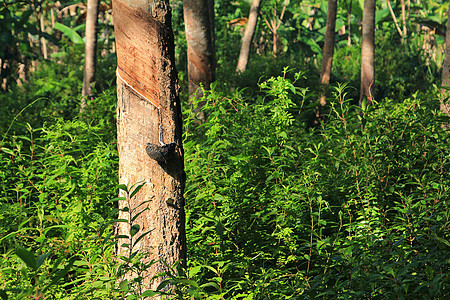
149 137
90 58
247 38
446 70
328 48
199 24
368 52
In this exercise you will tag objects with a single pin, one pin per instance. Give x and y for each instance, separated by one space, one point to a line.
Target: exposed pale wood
137 50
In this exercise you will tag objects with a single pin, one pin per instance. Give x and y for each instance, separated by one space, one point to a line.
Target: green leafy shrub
55 184
356 208
400 69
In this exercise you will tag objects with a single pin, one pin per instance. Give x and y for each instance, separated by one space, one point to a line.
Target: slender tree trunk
212 21
328 48
395 19
149 137
43 40
368 52
36 6
445 104
405 32
274 38
90 58
349 21
248 36
200 47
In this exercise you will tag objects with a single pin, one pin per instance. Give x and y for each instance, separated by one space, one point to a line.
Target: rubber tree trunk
445 104
368 52
248 36
149 137
199 24
328 48
90 65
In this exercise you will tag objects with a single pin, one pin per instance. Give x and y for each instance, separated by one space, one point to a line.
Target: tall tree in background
90 58
348 7
446 69
149 136
199 23
248 36
328 48
368 52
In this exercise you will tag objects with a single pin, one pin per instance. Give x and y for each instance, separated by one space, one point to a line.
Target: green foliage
14 26
57 88
354 207
56 219
400 70
357 208
70 33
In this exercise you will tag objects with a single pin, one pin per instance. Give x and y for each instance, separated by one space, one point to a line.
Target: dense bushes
281 204
55 185
356 206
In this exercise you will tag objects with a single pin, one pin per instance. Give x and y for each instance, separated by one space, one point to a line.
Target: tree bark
405 32
43 40
90 58
349 22
148 111
212 26
248 36
199 25
368 52
328 48
445 105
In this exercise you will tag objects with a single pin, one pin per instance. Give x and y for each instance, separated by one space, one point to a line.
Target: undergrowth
353 207
357 207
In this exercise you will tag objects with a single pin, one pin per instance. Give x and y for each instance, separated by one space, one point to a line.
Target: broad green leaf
28 258
70 33
194 271
137 189
149 293
40 260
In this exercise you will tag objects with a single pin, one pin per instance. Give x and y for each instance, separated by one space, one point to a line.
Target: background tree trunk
404 32
248 36
200 44
90 58
368 52
43 40
148 111
349 22
328 48
212 26
446 69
